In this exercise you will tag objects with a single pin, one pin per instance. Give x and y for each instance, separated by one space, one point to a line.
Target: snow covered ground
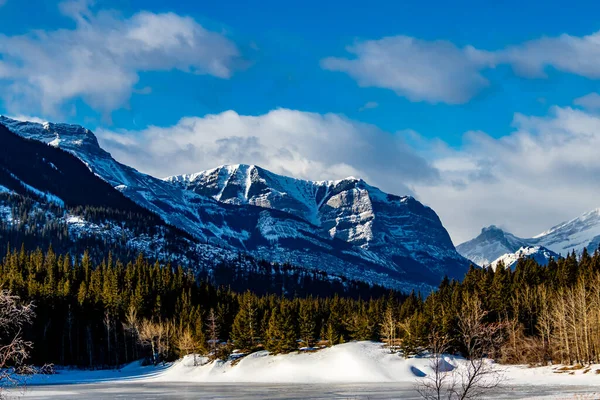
364 366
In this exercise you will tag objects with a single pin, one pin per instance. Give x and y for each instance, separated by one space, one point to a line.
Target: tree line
32 224
107 313
548 314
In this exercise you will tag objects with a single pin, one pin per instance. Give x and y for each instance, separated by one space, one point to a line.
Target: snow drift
354 362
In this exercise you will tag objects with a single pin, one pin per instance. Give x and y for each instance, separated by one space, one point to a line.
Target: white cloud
101 58
543 173
439 71
300 144
576 55
590 101
420 70
369 105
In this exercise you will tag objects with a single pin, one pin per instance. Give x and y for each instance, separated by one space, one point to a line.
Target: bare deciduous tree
187 344
131 326
14 350
469 380
441 383
389 326
154 334
480 340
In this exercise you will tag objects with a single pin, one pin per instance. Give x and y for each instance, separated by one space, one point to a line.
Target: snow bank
355 362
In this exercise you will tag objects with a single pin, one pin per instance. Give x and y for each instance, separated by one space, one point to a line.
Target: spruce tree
244 329
281 334
307 324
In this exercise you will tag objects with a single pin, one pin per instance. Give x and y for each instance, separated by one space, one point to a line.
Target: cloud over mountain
301 144
547 169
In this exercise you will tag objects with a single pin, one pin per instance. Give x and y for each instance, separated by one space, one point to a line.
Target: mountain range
494 243
345 227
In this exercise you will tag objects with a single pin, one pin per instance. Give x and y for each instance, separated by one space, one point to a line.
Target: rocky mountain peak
344 226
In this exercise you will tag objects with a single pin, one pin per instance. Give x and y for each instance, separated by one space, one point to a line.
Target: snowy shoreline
349 363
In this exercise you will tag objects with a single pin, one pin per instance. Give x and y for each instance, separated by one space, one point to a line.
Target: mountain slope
491 244
538 253
392 229
31 166
151 193
343 227
574 235
48 197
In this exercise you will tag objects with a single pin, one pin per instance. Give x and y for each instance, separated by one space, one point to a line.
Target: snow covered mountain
538 253
491 244
574 235
349 210
343 227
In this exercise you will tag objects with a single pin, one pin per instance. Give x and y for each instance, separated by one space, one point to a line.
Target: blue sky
284 44
435 92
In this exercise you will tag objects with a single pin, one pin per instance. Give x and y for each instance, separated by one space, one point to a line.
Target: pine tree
281 334
307 323
245 324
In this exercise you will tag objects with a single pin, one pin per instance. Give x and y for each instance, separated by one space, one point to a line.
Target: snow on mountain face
310 200
574 235
391 228
249 184
538 253
343 227
171 204
491 244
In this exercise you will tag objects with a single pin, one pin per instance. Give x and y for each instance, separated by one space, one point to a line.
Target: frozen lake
332 373
138 390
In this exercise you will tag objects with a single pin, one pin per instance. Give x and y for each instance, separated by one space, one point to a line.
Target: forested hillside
108 313
344 227
94 315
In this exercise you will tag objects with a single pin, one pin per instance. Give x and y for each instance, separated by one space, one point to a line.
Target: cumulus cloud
546 171
590 101
439 71
434 71
101 58
301 144
577 55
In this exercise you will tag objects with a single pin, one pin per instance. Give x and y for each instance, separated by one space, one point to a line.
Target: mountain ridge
344 226
539 254
572 235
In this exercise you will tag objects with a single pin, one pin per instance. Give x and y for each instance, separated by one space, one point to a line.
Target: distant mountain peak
583 222
491 228
491 243
253 185
573 235
539 254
